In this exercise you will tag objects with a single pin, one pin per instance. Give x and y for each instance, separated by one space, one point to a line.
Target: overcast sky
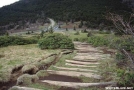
6 2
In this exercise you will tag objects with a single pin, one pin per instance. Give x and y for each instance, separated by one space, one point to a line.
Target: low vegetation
15 40
55 41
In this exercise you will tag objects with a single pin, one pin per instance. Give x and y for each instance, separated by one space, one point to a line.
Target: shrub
77 33
76 39
55 41
125 78
89 34
98 41
14 40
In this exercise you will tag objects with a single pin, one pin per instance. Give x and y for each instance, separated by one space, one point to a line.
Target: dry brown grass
14 56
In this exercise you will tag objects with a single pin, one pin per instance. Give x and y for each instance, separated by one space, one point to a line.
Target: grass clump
5 75
29 69
55 41
42 73
27 79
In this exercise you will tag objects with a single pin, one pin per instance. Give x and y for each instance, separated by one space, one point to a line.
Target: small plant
77 33
76 39
74 28
89 34
42 33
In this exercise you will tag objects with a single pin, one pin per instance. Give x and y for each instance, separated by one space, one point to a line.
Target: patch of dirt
7 85
2 56
105 51
61 78
67 88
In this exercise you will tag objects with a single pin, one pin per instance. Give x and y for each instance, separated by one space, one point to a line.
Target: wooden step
75 69
23 88
75 65
78 85
80 62
75 74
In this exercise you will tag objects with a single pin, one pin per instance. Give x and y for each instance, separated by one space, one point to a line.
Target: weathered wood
79 62
75 74
22 88
78 85
75 65
75 69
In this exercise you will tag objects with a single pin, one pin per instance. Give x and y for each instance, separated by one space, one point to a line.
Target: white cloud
6 2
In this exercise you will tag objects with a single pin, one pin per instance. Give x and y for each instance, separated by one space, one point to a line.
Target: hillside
92 11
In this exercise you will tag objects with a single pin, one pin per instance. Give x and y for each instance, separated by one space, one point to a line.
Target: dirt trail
84 64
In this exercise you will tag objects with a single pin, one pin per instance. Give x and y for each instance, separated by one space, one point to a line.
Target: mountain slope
65 10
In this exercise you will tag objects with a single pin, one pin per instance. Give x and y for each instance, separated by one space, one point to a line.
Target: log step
79 85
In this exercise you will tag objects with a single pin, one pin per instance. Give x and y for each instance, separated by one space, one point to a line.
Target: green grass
21 55
72 36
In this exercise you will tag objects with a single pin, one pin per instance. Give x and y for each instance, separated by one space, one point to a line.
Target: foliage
89 34
125 78
14 40
55 41
98 41
77 33
76 39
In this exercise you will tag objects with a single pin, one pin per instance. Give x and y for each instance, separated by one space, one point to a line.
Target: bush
76 39
77 33
14 40
55 41
98 41
125 78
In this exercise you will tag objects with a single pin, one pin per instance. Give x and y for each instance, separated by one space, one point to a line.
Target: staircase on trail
83 64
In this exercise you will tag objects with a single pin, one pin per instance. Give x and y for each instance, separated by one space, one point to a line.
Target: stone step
80 62
69 64
78 85
75 69
22 88
75 74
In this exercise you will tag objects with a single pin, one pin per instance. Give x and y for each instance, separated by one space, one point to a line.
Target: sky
6 2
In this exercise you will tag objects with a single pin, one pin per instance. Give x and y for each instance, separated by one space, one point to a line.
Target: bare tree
126 26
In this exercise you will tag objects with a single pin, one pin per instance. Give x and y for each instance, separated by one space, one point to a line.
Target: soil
55 77
67 88
7 85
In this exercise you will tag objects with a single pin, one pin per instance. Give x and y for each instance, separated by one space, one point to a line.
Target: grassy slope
13 56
